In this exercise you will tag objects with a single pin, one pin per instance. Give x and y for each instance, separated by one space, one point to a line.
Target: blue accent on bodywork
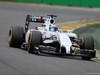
30 16
32 19
44 20
35 20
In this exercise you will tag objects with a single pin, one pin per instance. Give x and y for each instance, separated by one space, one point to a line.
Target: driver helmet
53 28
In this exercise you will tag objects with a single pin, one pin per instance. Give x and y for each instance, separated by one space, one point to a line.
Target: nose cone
65 42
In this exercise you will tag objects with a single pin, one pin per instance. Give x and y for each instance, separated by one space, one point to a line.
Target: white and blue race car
49 39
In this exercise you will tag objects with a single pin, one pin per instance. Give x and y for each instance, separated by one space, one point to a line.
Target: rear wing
49 19
38 19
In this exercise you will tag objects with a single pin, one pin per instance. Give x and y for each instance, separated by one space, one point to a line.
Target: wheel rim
30 39
82 41
10 36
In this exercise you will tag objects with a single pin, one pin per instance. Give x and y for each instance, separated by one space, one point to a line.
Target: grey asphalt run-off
14 61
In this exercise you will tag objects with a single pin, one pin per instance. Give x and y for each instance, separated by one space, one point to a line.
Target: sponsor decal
39 20
34 20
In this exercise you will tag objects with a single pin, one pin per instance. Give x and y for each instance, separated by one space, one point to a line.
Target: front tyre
87 43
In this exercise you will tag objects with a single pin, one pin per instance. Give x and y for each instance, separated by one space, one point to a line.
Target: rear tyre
35 39
87 43
16 35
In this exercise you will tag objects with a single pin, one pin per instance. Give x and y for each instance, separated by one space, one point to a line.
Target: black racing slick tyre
87 43
16 35
35 39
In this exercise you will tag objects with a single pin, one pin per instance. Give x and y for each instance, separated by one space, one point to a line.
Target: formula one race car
49 39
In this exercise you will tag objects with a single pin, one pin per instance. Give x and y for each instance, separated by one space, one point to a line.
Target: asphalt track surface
14 61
